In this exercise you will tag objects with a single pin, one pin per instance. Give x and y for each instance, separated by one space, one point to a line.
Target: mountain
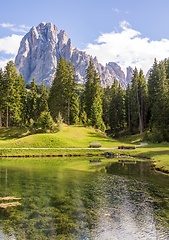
41 48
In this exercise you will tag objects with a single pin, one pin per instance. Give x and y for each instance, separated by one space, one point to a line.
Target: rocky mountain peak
41 48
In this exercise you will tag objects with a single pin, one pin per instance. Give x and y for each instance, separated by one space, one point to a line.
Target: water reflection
122 201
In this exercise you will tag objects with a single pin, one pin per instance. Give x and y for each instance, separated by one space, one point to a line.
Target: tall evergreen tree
57 102
63 97
88 93
152 90
158 95
138 99
106 105
135 108
23 100
128 106
73 109
116 109
43 101
1 95
142 98
12 97
33 101
93 97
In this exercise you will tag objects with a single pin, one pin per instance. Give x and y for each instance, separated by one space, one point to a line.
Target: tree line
143 105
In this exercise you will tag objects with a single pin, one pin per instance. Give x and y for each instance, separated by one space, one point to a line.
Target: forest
142 107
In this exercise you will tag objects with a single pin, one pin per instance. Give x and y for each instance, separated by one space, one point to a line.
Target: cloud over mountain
128 48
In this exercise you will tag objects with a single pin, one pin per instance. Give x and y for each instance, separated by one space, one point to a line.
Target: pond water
107 201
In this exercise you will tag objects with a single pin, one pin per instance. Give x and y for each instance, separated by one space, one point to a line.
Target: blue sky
127 32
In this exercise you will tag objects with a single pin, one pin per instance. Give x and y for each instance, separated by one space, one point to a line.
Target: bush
59 121
45 121
155 136
32 125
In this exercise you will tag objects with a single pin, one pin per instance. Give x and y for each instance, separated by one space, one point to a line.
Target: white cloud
127 48
22 28
25 27
6 25
10 45
115 10
18 30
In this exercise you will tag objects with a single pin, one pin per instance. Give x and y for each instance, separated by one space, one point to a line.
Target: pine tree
116 108
93 98
63 97
152 91
158 95
1 95
135 106
121 107
142 98
73 109
23 100
128 106
43 101
33 101
57 102
12 103
106 105
88 93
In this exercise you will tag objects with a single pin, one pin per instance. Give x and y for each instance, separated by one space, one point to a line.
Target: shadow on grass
11 133
101 137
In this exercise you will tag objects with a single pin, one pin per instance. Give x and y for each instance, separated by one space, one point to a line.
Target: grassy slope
68 137
76 137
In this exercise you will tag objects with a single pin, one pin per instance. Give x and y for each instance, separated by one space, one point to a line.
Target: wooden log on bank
126 147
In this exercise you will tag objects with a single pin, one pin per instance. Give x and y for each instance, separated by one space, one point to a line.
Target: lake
71 198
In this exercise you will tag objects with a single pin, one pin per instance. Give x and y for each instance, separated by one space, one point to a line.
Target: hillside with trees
142 106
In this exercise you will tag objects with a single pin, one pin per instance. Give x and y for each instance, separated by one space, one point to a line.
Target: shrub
45 121
59 121
155 136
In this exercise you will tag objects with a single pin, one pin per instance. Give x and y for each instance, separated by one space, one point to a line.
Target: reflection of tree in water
55 203
58 203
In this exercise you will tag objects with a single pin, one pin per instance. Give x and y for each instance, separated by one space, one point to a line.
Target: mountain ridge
41 48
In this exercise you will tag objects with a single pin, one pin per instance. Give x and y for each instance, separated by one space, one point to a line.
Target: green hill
68 137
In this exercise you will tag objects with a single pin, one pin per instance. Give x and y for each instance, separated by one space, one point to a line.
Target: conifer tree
57 102
135 108
33 101
138 99
93 97
12 97
63 97
1 95
106 105
158 95
43 101
88 93
23 100
116 108
142 98
72 98
128 106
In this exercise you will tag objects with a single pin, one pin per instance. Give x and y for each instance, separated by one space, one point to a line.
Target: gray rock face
41 48
129 75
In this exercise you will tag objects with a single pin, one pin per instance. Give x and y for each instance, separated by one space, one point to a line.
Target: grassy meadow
78 137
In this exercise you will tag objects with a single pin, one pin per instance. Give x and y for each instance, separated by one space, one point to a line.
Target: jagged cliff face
41 48
129 76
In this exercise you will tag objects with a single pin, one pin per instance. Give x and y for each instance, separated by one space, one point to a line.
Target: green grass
78 137
68 137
